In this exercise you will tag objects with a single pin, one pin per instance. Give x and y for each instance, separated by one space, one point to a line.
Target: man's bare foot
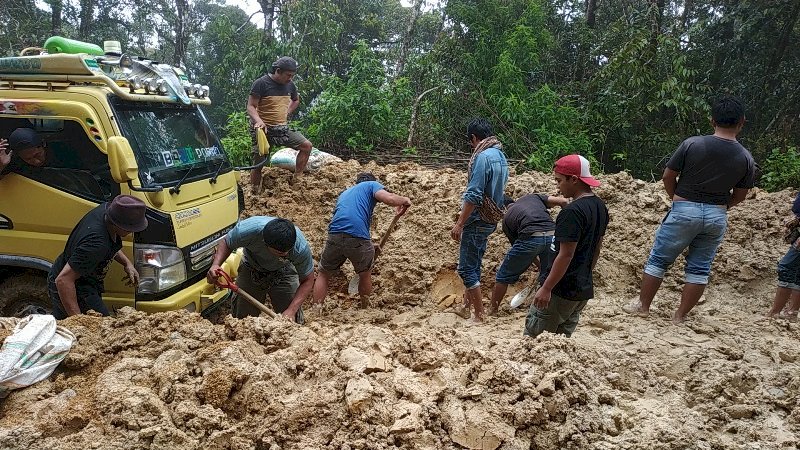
363 301
494 310
678 320
635 308
788 315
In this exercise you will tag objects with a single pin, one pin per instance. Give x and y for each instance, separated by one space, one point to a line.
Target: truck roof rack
135 80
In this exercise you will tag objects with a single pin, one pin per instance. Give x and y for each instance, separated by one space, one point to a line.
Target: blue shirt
490 176
353 213
248 234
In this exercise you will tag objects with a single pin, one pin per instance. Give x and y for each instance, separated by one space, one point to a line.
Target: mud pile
409 374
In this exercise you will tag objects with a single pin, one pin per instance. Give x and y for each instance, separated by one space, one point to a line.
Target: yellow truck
114 124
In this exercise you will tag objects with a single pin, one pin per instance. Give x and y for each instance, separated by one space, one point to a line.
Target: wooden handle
270 313
388 231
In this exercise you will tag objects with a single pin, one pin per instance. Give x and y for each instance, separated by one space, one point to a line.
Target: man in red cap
566 280
273 98
75 283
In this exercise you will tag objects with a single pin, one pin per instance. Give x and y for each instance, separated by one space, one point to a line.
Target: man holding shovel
277 263
529 228
349 237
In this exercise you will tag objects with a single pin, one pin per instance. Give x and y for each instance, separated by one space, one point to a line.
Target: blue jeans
470 254
520 257
789 270
698 226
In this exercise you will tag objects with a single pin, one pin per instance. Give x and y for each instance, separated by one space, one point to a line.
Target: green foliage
237 141
781 169
363 111
623 86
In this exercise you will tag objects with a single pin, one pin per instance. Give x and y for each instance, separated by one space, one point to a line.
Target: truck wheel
23 294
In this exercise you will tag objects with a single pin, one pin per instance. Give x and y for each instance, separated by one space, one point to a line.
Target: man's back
710 167
527 215
354 208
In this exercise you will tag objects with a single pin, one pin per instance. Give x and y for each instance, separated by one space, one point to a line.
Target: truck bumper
197 297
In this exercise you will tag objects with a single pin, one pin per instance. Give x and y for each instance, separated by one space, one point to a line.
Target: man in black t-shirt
704 178
529 228
75 282
566 279
272 100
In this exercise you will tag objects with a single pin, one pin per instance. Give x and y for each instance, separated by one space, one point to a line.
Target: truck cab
113 124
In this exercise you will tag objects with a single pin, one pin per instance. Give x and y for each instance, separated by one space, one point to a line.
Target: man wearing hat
566 280
75 282
29 148
273 98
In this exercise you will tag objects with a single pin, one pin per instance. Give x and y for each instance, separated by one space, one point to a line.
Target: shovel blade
352 287
520 297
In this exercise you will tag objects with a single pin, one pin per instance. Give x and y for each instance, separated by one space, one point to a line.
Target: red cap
576 165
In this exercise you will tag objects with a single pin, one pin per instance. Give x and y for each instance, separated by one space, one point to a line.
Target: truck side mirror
121 160
263 143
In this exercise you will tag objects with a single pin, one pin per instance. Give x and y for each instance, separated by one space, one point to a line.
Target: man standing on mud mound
481 209
566 280
277 262
348 234
273 98
699 178
529 229
75 282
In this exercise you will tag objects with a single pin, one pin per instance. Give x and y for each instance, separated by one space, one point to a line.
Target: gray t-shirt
710 167
527 215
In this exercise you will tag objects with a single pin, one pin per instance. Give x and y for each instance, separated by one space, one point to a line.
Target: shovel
352 287
521 296
227 283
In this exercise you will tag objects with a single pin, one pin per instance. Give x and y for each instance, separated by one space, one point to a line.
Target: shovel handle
388 231
270 313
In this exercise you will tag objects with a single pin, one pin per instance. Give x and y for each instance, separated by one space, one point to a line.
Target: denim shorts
520 257
699 227
470 254
789 270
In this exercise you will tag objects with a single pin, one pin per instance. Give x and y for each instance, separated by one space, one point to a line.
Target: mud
407 373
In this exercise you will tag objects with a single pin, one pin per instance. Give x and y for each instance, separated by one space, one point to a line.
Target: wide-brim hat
128 213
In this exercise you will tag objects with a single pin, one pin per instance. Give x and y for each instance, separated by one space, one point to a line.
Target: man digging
349 237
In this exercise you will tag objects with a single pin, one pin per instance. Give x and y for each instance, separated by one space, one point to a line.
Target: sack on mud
286 158
32 352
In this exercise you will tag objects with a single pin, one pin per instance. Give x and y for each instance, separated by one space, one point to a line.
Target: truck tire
22 294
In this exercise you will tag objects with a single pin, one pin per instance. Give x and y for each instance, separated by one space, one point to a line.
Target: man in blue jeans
529 228
706 176
481 209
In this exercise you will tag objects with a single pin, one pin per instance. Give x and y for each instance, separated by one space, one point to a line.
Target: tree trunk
591 13
181 13
783 40
268 9
86 15
401 60
55 18
687 11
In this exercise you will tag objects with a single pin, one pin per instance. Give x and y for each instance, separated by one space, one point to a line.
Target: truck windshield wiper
177 188
213 179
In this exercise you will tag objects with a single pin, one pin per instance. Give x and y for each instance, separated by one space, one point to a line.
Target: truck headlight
159 267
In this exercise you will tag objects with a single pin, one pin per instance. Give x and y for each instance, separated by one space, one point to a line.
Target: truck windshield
169 141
